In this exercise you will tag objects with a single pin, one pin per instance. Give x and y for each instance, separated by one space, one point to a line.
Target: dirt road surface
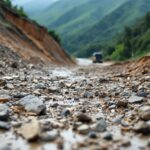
86 107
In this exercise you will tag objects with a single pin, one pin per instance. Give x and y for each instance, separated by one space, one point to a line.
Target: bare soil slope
30 41
141 66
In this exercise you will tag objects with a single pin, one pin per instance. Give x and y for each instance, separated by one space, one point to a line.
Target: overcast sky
22 2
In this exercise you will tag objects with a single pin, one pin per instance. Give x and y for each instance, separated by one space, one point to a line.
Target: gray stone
66 112
99 115
4 112
33 104
101 126
112 106
87 94
49 136
107 99
108 136
118 119
135 99
4 94
4 125
142 93
62 84
20 95
40 86
92 135
55 105
9 86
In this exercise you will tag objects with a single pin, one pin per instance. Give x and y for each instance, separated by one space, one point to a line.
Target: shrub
118 53
18 10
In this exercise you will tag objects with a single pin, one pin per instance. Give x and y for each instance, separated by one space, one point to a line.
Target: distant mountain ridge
89 24
109 26
33 6
77 16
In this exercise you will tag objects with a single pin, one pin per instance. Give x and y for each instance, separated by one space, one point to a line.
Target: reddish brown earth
30 41
141 66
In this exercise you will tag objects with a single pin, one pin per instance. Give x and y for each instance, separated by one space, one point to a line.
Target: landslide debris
28 40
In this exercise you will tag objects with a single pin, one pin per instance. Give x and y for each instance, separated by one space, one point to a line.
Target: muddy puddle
10 140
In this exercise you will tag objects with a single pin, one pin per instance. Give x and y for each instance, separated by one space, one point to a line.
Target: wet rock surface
87 107
32 104
4 112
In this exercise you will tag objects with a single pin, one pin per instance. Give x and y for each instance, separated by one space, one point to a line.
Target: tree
18 10
128 51
128 32
21 12
110 50
118 53
8 3
147 20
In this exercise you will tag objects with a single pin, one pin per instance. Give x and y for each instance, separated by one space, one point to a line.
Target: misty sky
22 2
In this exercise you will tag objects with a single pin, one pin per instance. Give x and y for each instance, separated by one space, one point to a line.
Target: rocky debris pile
8 55
142 66
103 109
9 60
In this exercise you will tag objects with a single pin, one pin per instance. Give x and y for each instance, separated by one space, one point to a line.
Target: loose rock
4 125
84 118
4 112
49 136
145 115
135 99
142 127
108 136
83 129
101 126
33 104
31 130
66 112
92 135
122 103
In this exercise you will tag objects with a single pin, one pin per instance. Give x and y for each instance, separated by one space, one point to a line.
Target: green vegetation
75 19
18 10
135 41
93 25
105 32
86 26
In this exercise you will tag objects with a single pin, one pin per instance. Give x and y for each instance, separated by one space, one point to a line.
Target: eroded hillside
28 40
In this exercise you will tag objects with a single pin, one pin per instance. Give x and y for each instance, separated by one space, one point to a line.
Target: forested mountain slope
102 32
134 41
90 25
78 16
